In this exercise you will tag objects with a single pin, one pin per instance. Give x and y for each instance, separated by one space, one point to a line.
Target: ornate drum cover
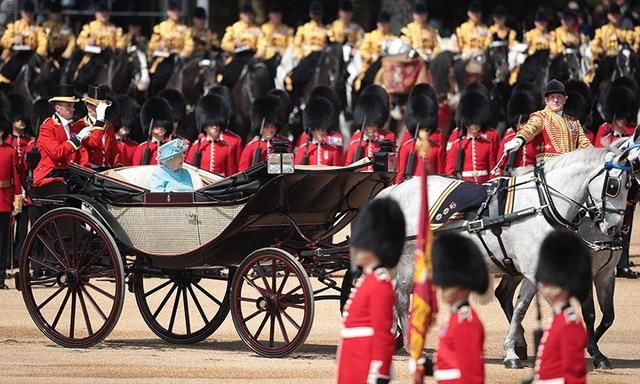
399 73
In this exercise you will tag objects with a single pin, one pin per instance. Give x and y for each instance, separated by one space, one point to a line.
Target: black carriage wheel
190 305
272 302
76 292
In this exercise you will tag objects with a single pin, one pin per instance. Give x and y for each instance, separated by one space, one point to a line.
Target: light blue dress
165 180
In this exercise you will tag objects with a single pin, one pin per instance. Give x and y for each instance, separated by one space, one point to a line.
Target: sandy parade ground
132 353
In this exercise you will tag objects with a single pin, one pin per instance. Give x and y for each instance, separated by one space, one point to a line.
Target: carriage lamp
279 160
385 160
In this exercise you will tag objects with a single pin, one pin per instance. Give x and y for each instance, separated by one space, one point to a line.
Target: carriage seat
141 175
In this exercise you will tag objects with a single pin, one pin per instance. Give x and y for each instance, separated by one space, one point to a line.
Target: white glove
84 133
101 110
513 145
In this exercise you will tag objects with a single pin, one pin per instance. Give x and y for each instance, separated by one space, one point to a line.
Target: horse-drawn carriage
249 244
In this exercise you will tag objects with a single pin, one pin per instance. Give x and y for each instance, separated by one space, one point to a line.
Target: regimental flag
424 305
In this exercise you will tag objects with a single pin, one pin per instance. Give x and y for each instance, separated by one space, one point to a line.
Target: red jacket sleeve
137 155
599 135
232 162
573 343
48 143
492 158
469 350
339 161
402 163
191 153
245 158
384 344
350 153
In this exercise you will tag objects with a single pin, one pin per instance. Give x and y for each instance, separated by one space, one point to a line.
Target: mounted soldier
134 37
566 35
204 39
61 41
373 49
610 37
275 39
539 38
499 30
472 34
240 40
420 36
343 30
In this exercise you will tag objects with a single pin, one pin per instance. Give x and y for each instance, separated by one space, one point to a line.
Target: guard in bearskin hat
381 93
471 155
210 152
487 131
370 116
520 105
421 120
129 128
318 119
334 137
179 109
428 91
458 270
266 121
620 109
564 271
228 135
367 339
156 120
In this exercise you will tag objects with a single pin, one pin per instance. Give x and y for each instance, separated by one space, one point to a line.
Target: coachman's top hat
97 94
64 93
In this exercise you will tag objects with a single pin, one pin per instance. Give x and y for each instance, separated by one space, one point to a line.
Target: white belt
447 374
559 380
475 173
350 333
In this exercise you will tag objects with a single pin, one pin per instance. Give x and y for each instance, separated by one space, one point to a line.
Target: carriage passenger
129 128
318 121
19 42
370 114
211 152
563 272
420 35
156 120
471 156
60 38
344 30
610 37
204 39
367 341
472 34
620 112
567 34
241 41
275 38
521 104
171 40
539 38
171 176
499 30
10 196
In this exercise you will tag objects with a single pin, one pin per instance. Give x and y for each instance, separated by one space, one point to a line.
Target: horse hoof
602 363
521 351
513 364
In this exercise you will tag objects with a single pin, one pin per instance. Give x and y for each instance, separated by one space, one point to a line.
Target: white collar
64 121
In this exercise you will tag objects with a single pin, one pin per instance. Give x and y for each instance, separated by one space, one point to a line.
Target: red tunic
319 154
22 145
526 154
435 160
233 139
489 134
590 136
334 138
367 340
9 178
459 355
382 134
607 136
561 353
246 158
57 151
479 159
127 148
217 157
370 146
139 153
101 145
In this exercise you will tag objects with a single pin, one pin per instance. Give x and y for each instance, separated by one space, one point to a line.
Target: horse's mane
579 156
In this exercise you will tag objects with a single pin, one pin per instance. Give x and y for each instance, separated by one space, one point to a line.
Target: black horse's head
497 60
625 60
332 66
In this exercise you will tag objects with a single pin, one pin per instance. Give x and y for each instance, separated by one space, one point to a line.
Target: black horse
255 80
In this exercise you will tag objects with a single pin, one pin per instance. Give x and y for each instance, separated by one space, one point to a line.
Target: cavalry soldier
370 116
204 39
179 112
564 271
134 36
101 145
171 41
241 41
310 39
318 119
266 120
156 119
98 41
539 38
420 35
59 146
471 155
275 38
210 152
521 104
458 270
421 120
620 106
20 40
367 339
567 34
499 31
129 127
372 49
610 37
472 34
344 30
60 38
559 133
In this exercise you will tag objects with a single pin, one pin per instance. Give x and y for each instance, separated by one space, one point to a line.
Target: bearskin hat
318 113
285 103
129 112
576 106
473 108
5 115
113 114
520 106
380 228
478 88
582 88
620 102
531 89
20 108
424 89
457 262
421 112
331 95
370 109
226 94
158 110
565 261
212 110
177 103
264 110
40 111
627 82
377 90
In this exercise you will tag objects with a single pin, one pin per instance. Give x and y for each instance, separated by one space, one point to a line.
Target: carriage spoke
210 296
61 240
272 331
251 316
282 329
186 310
291 320
273 274
156 289
42 282
296 306
284 281
93 260
50 249
46 265
74 246
247 299
56 293
93 303
85 248
293 290
261 327
253 285
164 301
72 323
85 313
61 309
263 277
175 309
100 290
197 303
104 273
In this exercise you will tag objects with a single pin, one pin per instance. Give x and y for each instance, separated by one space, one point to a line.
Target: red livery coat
22 144
606 134
9 178
216 157
57 151
367 340
459 355
101 145
526 154
246 158
319 154
479 159
127 148
561 352
435 160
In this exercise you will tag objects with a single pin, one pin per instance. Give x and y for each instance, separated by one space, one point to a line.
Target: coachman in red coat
317 119
367 339
10 197
156 119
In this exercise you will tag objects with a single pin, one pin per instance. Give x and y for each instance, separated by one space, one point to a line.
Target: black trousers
628 221
5 239
232 71
12 68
